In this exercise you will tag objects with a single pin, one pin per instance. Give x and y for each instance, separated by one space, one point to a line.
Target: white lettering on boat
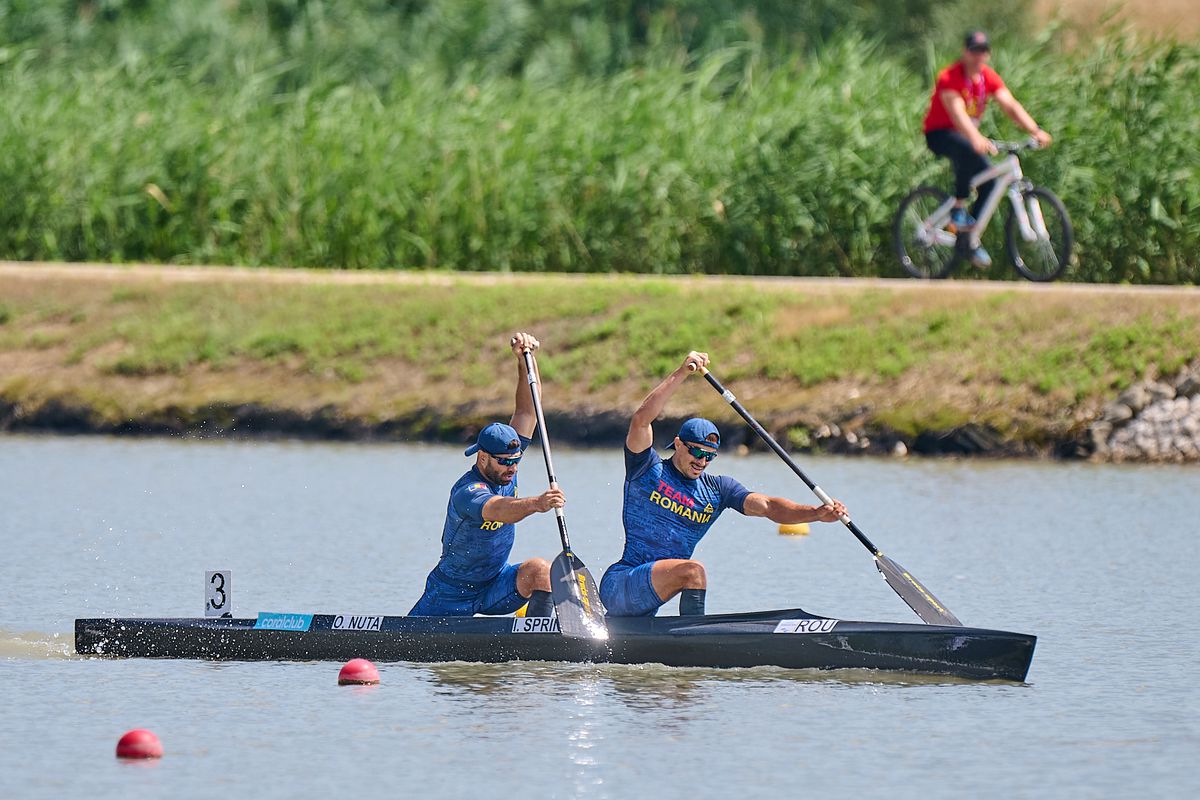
535 625
356 622
805 625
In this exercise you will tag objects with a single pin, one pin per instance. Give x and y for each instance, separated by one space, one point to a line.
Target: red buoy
139 743
358 672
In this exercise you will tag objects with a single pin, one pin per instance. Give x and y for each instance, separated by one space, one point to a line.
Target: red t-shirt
974 93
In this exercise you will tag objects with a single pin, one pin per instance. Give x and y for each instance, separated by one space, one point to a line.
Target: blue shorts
629 592
450 598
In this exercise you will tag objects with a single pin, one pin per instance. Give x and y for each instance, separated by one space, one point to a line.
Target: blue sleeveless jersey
666 514
474 549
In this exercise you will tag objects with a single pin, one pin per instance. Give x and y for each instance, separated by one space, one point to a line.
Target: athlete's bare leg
670 576
533 575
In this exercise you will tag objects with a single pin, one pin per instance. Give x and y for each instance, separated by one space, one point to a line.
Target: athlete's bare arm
641 427
524 420
787 512
515 509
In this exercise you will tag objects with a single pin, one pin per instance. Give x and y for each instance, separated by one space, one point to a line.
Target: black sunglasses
505 461
700 452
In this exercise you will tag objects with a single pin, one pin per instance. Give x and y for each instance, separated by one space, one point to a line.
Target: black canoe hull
792 639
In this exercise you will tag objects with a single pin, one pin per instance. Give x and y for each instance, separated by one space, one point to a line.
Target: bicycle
1037 231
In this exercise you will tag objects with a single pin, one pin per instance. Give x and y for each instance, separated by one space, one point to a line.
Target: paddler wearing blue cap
670 504
473 575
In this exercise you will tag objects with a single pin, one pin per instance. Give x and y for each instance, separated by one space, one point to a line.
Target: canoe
790 638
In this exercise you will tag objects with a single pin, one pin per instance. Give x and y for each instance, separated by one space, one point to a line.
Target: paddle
911 590
576 597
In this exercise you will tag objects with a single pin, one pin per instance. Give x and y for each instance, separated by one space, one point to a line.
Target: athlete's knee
691 575
536 572
536 567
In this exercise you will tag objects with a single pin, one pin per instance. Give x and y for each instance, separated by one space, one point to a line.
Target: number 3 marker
218 601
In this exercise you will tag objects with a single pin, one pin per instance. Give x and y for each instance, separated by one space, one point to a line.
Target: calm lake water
1098 561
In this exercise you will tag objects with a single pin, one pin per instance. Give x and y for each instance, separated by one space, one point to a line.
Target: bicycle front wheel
1041 250
924 244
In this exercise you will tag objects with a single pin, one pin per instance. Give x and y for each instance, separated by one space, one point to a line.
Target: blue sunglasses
507 462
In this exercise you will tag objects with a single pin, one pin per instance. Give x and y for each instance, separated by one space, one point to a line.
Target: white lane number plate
805 625
356 622
535 625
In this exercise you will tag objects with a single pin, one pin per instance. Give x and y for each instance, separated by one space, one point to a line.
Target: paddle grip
827 500
558 512
513 341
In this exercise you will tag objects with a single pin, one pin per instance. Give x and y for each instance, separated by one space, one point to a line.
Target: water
1096 560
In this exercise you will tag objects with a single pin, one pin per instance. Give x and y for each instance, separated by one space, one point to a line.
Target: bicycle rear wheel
923 243
1046 255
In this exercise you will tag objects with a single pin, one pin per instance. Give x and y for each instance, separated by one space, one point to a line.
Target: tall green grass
321 42
464 135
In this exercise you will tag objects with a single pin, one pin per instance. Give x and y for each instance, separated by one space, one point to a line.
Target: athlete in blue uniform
473 575
670 505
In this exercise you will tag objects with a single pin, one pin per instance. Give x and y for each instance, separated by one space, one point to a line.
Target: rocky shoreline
1156 421
1150 422
579 427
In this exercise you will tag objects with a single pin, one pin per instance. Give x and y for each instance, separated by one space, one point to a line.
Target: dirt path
1178 18
187 274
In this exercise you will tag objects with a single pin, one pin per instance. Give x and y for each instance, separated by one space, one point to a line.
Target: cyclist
952 126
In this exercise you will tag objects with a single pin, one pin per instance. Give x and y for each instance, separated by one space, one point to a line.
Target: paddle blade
576 599
913 592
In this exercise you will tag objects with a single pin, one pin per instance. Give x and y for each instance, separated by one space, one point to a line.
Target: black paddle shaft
576 596
779 451
531 375
903 583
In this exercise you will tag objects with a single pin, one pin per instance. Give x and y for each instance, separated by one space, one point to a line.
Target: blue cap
496 439
697 430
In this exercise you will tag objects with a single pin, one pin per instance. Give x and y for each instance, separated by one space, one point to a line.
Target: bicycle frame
1010 181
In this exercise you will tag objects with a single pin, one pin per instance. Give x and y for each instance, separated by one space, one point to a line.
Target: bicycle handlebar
1016 147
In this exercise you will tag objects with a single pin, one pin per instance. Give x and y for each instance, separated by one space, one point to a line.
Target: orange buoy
139 743
358 672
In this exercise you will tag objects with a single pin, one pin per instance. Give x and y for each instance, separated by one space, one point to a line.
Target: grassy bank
776 139
422 355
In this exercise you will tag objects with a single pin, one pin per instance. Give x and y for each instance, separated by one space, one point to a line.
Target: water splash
36 645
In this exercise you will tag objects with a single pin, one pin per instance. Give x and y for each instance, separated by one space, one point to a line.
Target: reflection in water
651 687
514 680
586 735
643 685
37 645
646 687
